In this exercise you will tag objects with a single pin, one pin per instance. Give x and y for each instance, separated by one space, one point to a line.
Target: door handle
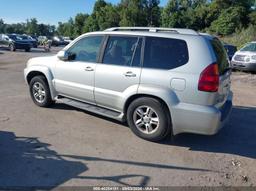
89 69
129 74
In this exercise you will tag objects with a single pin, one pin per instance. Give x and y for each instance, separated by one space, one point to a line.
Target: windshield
24 37
14 37
249 47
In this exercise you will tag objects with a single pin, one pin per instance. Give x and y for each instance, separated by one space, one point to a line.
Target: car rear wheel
149 119
27 49
40 92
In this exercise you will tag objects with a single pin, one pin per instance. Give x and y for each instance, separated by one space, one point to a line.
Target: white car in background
245 58
67 39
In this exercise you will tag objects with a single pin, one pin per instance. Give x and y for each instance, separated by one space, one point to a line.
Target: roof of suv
178 33
152 31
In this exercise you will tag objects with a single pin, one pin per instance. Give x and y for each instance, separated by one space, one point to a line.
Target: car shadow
238 137
27 163
61 106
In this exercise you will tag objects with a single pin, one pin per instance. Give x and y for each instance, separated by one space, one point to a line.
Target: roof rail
154 29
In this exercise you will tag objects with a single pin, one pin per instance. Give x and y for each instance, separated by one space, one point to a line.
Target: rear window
165 53
221 55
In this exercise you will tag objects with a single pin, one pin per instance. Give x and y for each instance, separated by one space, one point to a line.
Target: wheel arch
136 96
162 101
32 74
41 71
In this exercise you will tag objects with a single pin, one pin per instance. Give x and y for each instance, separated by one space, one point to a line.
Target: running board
92 108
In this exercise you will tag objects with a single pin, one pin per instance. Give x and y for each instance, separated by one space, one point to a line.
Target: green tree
107 17
46 30
98 5
66 29
32 26
153 12
170 14
252 17
80 21
2 26
133 13
229 20
92 23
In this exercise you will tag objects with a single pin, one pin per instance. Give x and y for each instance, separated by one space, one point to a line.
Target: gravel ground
63 146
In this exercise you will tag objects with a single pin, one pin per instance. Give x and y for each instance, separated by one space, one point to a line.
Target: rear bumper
207 120
244 66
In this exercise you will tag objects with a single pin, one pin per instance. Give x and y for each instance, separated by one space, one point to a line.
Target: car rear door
119 72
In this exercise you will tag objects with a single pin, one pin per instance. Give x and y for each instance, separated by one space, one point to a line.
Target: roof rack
154 29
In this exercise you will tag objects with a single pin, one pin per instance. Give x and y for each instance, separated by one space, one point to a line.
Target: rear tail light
209 79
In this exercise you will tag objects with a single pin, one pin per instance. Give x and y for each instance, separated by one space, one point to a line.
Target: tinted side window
86 49
121 50
165 53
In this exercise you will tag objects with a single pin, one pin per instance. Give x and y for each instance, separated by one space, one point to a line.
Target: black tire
47 101
27 49
12 47
164 127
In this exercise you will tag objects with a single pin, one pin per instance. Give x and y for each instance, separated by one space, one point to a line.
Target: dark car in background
33 41
58 41
13 42
231 50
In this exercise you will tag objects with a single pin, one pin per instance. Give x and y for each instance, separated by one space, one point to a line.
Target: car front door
74 78
119 72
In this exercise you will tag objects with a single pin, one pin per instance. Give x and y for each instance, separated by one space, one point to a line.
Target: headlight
253 57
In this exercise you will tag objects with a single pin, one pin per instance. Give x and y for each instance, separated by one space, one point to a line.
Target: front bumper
207 120
250 67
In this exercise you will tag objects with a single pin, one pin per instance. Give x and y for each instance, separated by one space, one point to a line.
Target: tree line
31 26
221 17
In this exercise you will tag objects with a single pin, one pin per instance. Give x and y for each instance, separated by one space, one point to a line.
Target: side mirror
63 55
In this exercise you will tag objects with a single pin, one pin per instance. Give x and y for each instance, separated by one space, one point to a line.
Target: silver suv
161 81
245 58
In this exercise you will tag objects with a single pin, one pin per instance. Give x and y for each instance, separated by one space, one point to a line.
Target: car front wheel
12 47
40 92
149 119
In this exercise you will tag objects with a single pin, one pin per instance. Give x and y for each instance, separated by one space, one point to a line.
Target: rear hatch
224 71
